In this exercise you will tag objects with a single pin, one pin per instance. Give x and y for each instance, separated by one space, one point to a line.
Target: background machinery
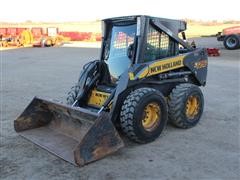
15 37
36 36
141 81
47 37
230 37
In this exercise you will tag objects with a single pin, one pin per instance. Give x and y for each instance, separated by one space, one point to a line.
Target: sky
79 10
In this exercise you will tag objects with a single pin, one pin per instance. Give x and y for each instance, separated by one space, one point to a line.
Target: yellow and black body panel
195 61
157 67
97 98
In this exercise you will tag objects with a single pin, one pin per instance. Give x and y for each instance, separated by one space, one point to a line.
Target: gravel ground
211 150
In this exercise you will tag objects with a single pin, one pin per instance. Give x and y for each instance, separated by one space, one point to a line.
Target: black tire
178 106
232 42
48 43
133 110
72 94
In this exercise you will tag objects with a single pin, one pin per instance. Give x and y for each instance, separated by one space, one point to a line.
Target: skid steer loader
146 76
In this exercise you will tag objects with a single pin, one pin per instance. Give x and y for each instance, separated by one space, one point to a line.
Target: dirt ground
209 151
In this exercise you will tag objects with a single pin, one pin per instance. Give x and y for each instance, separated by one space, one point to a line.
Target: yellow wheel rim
192 107
48 42
151 116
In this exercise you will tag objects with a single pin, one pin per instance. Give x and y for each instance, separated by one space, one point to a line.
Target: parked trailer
77 36
230 37
20 30
37 32
12 32
3 32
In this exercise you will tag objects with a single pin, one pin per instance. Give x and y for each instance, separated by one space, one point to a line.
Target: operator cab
138 39
118 44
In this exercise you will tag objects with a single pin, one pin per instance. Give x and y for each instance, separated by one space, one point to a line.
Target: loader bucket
76 135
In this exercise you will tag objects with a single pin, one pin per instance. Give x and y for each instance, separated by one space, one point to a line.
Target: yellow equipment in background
25 38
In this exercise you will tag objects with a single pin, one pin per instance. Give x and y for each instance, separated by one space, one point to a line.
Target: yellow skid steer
146 76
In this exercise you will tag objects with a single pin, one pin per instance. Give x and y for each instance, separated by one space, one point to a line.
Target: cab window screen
159 45
121 41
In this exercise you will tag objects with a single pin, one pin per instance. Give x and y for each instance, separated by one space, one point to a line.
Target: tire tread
176 103
127 112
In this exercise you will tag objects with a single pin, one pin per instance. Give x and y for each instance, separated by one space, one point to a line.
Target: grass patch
196 30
